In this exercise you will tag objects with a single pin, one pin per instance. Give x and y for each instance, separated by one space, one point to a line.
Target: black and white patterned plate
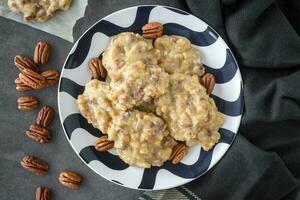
217 59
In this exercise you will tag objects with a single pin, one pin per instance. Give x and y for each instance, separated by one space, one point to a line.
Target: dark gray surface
15 182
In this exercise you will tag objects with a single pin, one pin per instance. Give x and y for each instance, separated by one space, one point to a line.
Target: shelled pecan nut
45 116
42 193
52 76
41 53
32 78
178 152
34 165
70 179
39 134
27 103
21 86
152 30
23 62
208 81
103 144
97 70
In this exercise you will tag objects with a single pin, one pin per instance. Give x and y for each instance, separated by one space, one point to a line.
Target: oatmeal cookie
141 139
127 48
95 106
191 115
138 84
178 55
38 10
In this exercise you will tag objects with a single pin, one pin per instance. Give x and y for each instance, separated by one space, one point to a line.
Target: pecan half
52 76
178 152
41 53
152 30
70 179
27 103
23 62
45 116
96 69
21 86
39 134
42 193
103 144
32 78
34 165
208 81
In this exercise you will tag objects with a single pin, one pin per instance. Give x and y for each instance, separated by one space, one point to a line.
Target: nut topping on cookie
152 30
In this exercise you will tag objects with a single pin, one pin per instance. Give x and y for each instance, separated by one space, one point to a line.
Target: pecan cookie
127 48
141 139
178 55
138 83
191 115
38 10
95 106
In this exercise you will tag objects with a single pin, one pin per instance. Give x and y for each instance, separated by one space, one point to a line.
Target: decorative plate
217 59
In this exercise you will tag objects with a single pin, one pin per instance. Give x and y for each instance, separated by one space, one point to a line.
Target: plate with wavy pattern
217 59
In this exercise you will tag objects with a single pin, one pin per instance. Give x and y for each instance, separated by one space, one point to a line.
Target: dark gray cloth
264 37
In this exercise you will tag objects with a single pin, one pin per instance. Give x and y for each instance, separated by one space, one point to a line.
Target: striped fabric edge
179 193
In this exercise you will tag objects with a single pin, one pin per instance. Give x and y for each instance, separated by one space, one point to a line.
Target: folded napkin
264 160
